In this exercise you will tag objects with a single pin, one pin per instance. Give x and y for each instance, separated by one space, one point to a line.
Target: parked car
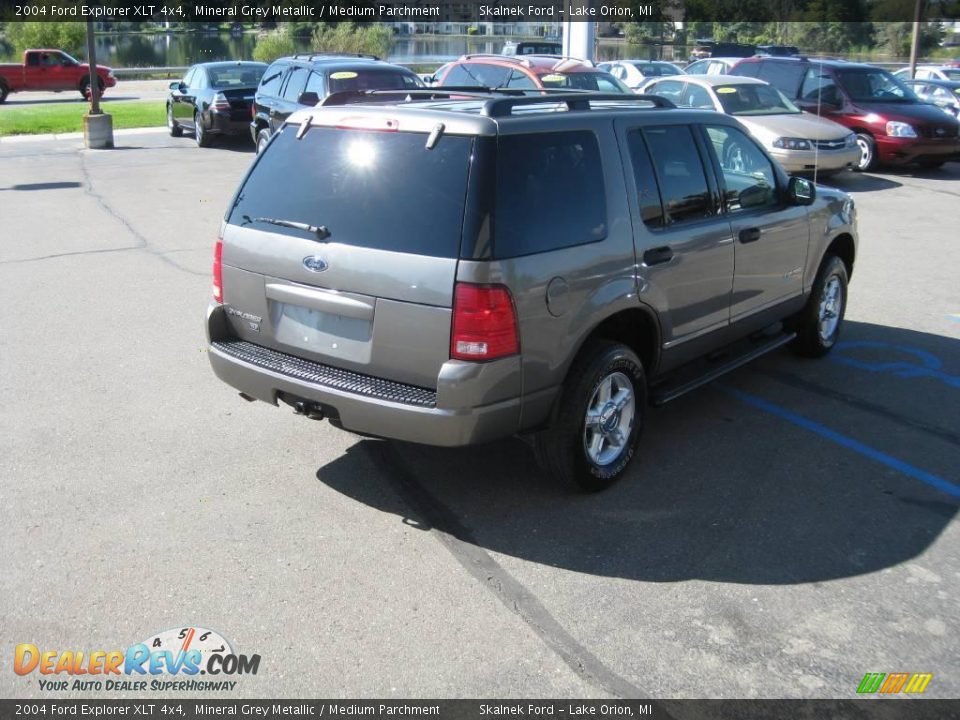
434 78
801 142
945 94
299 81
530 72
572 267
893 126
633 73
213 99
930 72
711 66
51 70
532 47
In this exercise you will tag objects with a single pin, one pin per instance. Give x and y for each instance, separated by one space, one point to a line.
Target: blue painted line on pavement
823 431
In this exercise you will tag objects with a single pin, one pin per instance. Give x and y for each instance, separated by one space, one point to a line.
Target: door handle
657 256
749 235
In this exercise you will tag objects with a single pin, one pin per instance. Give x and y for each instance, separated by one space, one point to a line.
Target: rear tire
598 419
199 133
818 325
85 88
175 130
4 91
263 137
868 153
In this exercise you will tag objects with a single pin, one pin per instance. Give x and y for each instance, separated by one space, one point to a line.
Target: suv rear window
381 190
368 79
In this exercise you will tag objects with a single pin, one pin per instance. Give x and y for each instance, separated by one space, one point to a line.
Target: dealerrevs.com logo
168 661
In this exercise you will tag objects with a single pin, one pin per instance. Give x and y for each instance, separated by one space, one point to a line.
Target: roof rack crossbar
320 53
503 106
348 97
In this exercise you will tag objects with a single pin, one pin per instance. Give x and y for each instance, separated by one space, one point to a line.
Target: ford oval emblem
315 263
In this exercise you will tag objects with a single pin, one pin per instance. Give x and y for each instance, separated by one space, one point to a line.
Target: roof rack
321 54
503 106
446 92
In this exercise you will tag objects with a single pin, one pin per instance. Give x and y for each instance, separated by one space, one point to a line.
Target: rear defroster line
464 548
823 431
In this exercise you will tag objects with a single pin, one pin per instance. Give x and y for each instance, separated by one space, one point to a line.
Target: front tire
85 88
199 133
598 420
818 324
4 91
175 130
868 153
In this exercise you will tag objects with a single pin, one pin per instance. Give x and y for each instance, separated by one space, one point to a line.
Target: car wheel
85 88
199 132
175 130
868 153
4 91
598 419
263 137
818 324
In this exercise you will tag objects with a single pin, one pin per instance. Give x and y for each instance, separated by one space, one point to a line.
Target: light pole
915 42
97 125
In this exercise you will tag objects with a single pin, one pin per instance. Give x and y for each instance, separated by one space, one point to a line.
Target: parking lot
785 531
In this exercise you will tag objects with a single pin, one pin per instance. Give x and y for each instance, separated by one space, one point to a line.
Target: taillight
220 103
218 271
484 323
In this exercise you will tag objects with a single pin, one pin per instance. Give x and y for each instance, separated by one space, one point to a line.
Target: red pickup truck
51 70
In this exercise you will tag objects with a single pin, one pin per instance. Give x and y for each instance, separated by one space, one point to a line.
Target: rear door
683 243
371 292
287 103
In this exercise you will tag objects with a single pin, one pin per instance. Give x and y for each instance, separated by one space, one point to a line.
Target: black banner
475 11
166 709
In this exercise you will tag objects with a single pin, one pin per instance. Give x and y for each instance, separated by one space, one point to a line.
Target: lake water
124 51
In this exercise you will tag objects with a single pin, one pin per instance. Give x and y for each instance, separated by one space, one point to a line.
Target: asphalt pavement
783 532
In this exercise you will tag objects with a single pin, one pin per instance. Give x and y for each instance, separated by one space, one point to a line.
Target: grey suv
453 270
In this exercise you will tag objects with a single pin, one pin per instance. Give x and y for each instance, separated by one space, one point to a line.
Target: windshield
874 86
754 100
236 76
604 82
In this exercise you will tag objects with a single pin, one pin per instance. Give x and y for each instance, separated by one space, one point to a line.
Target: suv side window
819 84
270 84
315 84
747 69
550 193
680 172
749 180
296 79
784 76
648 194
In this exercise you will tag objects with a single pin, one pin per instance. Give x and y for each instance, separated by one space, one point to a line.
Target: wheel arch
636 327
844 248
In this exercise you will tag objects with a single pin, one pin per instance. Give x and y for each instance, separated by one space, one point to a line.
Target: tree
68 36
274 44
348 37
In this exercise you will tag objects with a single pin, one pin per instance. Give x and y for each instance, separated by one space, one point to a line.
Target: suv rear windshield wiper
320 231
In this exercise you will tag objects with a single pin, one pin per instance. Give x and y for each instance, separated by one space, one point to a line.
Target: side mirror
801 191
308 98
175 85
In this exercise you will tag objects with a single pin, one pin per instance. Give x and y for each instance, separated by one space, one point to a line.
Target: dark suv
893 126
460 267
292 83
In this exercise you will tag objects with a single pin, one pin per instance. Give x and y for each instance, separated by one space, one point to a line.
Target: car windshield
951 73
604 82
657 69
345 80
874 86
754 100
236 76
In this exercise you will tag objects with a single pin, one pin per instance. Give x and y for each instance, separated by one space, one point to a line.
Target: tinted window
380 190
270 83
874 86
819 86
648 194
314 84
785 76
683 184
482 75
235 76
604 82
749 69
748 176
458 75
372 79
296 79
696 97
549 192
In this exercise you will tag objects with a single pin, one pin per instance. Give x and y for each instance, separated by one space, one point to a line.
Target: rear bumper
903 151
223 125
373 406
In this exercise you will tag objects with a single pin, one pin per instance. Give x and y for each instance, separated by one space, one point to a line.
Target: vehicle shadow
858 182
720 491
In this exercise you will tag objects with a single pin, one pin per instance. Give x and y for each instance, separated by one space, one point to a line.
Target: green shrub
68 36
273 45
347 37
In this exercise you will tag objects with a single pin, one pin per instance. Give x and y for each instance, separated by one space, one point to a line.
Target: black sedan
213 99
943 93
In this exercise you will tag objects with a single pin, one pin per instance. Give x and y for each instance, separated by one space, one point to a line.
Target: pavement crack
458 540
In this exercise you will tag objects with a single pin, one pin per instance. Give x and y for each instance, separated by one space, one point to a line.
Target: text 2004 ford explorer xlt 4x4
452 271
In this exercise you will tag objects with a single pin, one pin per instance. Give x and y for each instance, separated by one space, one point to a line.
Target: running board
667 391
